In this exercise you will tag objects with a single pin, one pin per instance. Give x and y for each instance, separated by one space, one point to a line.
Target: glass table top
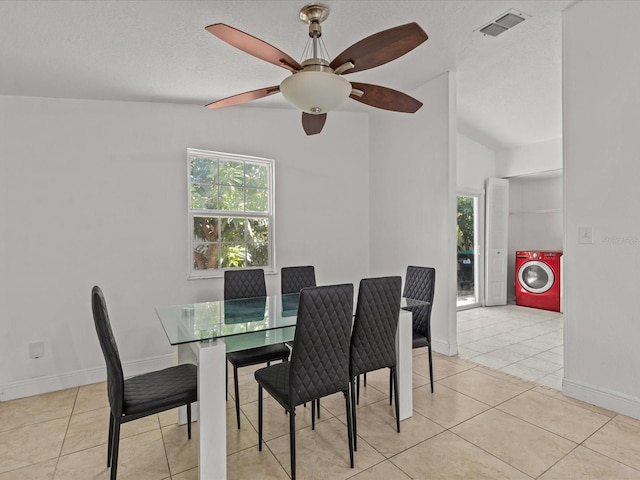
227 318
242 323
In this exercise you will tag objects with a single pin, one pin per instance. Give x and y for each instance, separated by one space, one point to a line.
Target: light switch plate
585 235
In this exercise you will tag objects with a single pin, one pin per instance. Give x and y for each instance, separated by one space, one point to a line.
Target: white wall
413 197
535 158
535 219
601 169
95 193
475 163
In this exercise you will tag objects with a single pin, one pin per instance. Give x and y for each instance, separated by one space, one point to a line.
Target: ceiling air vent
493 29
502 23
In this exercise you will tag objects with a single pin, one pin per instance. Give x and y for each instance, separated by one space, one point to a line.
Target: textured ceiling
509 87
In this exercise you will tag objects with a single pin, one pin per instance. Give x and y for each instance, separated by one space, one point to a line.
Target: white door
496 233
470 249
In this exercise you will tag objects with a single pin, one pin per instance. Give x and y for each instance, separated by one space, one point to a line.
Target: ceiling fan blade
381 47
313 124
253 46
385 98
244 97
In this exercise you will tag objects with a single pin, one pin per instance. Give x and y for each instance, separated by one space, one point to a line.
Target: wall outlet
36 350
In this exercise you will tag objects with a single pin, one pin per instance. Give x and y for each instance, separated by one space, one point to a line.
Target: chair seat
275 380
419 340
159 390
253 356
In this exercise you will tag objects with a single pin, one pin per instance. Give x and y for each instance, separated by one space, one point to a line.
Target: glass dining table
205 332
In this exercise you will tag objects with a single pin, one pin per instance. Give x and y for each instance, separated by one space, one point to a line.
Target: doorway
469 250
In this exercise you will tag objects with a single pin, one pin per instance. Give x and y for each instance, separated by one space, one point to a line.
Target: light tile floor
479 424
524 342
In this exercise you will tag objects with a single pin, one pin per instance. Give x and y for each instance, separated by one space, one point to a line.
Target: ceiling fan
317 85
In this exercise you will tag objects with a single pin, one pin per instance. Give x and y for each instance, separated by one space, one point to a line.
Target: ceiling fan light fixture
315 92
316 85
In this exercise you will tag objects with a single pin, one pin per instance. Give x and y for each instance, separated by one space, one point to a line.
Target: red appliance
538 279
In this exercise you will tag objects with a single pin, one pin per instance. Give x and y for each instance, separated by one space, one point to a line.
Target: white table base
404 363
211 408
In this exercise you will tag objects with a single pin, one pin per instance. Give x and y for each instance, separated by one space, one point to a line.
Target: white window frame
194 213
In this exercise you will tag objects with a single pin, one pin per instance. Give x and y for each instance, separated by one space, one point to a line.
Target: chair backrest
294 279
320 356
420 284
373 340
115 377
244 284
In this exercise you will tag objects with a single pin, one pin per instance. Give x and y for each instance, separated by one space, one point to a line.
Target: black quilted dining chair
420 284
249 284
141 395
373 340
294 279
319 364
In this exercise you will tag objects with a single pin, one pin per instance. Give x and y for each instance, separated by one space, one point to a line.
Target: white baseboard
50 383
608 399
444 348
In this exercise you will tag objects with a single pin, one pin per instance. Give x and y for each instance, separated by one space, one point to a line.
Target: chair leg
394 372
313 414
259 417
430 366
350 423
352 392
236 391
110 443
305 406
116 445
390 386
189 420
292 440
358 388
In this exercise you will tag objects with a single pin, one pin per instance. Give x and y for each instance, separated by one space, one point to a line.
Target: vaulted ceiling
509 86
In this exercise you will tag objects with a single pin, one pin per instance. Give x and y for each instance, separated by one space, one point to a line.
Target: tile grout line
164 447
494 407
490 453
66 431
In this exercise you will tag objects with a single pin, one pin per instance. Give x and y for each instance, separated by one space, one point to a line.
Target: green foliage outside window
231 212
465 224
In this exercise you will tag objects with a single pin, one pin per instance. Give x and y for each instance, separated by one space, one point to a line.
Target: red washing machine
538 279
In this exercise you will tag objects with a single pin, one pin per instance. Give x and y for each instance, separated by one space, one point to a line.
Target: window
230 212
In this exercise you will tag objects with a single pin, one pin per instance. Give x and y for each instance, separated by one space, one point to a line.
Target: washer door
536 277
